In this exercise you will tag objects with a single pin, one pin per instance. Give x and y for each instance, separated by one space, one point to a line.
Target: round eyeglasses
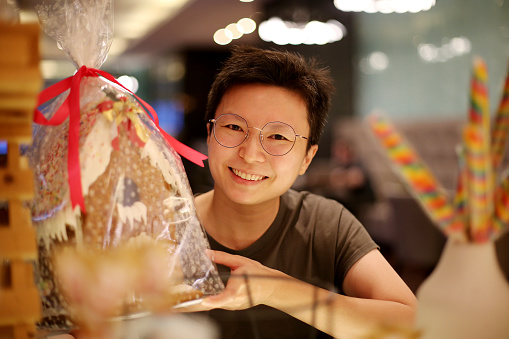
277 138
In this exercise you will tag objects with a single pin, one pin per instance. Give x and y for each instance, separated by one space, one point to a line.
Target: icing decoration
129 206
54 228
96 153
135 212
158 160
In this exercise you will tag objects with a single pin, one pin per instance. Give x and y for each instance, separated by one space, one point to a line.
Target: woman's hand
250 283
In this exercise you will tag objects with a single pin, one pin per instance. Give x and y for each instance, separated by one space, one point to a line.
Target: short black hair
252 65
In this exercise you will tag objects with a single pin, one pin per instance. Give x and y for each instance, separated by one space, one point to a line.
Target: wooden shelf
20 82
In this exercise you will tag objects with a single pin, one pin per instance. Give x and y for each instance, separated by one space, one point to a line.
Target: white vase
466 296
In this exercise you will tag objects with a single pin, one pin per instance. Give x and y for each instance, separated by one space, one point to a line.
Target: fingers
239 293
225 300
226 259
193 308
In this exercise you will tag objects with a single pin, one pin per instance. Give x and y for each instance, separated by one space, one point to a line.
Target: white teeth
245 176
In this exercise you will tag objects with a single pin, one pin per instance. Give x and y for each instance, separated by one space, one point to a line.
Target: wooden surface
20 82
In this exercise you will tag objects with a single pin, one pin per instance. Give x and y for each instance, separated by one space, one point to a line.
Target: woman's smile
247 176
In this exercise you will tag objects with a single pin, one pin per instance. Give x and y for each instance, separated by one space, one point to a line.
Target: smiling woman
285 254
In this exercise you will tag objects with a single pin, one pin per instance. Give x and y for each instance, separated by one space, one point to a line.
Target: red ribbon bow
71 108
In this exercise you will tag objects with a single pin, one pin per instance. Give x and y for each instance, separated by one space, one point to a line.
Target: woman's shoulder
294 198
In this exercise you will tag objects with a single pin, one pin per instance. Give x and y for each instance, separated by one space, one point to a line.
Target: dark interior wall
201 67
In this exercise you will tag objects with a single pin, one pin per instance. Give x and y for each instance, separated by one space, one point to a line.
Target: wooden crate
20 82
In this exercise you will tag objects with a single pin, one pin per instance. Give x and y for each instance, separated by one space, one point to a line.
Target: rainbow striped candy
416 175
479 211
477 142
461 196
480 192
501 127
502 204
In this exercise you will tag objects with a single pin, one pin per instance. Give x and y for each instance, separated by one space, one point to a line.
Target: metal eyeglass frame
246 136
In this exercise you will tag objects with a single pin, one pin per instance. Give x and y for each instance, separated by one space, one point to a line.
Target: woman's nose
251 149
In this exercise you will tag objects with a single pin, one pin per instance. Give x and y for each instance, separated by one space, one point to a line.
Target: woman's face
247 174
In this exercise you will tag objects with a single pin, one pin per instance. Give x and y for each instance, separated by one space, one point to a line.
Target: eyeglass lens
277 138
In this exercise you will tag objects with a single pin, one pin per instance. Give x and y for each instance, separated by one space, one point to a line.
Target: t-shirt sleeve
353 242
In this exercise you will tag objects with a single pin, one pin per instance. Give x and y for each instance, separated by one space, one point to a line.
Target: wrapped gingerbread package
113 208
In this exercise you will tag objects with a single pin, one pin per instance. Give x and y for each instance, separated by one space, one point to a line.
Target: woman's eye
277 137
234 127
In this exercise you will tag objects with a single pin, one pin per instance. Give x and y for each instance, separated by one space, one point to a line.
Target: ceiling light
234 30
384 6
310 33
449 49
246 25
222 37
309 22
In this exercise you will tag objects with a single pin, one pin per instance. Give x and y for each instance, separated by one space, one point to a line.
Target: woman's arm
376 295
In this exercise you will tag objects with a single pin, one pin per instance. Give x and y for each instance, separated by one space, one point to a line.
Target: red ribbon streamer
71 108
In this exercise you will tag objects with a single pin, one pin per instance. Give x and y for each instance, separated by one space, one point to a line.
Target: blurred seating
396 221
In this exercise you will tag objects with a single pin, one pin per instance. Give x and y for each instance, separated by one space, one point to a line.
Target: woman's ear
209 131
307 159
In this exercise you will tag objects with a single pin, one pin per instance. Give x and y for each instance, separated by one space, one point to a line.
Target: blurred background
410 60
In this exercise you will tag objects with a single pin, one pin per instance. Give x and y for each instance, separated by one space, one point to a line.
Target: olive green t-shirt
313 239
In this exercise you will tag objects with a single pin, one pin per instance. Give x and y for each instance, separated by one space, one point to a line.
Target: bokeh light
449 49
233 31
312 33
246 25
384 6
222 37
129 82
375 62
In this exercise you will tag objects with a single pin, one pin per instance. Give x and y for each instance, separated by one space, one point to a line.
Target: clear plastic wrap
82 28
134 188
